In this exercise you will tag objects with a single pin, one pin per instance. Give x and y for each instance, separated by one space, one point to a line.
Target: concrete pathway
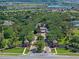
24 51
55 50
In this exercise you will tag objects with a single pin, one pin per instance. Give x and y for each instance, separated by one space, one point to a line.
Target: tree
40 46
30 37
74 44
40 38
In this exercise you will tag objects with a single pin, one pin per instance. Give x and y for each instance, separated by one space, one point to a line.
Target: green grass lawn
13 50
10 54
18 10
62 51
53 51
27 50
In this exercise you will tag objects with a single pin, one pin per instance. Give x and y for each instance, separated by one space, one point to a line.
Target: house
42 30
26 43
75 23
8 23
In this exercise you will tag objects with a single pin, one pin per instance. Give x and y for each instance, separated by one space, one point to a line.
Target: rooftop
75 23
58 6
8 23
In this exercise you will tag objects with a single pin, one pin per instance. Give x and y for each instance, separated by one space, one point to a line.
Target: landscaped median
13 52
62 51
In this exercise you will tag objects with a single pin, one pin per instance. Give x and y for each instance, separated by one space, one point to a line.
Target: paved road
39 56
